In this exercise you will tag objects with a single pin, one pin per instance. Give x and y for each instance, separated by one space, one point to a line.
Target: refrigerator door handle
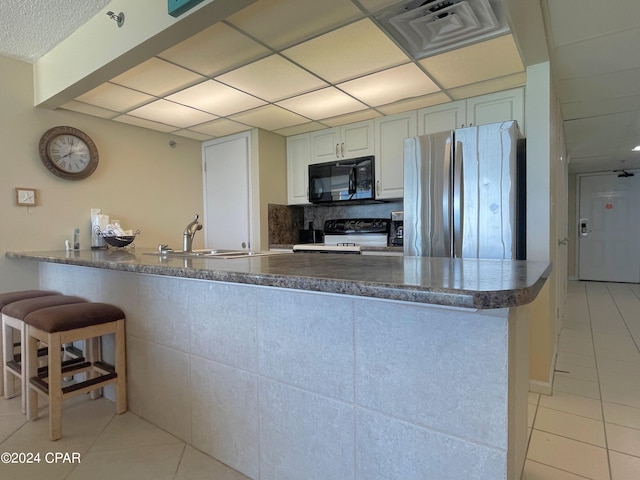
446 194
458 201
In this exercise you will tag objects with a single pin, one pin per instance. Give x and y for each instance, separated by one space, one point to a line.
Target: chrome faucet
190 232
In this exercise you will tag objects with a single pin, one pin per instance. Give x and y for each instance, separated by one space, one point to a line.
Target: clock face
68 153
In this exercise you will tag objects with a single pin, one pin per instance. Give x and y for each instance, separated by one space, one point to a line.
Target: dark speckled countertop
470 283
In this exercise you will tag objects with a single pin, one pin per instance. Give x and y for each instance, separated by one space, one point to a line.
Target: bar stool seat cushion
72 316
10 297
22 308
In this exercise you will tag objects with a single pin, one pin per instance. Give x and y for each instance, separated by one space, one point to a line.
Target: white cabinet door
297 169
390 134
349 141
227 174
356 140
497 107
441 118
325 145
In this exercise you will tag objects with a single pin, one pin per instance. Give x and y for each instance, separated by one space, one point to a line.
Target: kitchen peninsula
292 366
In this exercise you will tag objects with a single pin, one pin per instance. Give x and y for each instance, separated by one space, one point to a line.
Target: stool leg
2 369
7 356
55 386
30 354
121 368
94 354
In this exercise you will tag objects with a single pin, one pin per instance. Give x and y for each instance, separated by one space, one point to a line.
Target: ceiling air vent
425 28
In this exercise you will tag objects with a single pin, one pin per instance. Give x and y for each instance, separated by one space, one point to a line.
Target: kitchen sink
220 254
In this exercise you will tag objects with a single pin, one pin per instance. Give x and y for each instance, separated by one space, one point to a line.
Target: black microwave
342 180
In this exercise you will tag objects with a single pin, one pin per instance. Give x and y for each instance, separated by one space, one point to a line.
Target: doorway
609 227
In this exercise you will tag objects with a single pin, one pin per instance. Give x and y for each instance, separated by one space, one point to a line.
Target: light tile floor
590 426
109 446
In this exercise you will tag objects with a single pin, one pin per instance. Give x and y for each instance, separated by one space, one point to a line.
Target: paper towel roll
98 223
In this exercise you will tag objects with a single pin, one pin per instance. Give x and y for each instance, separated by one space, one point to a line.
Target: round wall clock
68 153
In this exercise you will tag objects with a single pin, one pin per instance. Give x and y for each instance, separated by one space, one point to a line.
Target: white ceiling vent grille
429 27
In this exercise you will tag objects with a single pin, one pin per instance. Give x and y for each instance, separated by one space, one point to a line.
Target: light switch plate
178 7
26 197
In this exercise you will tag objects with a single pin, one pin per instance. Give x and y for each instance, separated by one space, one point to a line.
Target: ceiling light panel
114 97
215 50
282 23
157 77
390 85
490 59
269 117
216 98
171 113
325 103
355 50
273 78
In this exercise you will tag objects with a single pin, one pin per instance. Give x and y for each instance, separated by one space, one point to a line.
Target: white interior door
609 228
227 195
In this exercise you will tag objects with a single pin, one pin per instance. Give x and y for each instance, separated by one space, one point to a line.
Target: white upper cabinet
348 141
390 133
297 166
491 108
497 107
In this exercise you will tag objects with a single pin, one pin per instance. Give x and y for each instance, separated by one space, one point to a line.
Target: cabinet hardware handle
377 187
342 149
337 152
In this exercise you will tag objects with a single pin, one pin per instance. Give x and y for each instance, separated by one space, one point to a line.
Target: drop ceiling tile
269 117
414 103
375 5
609 85
325 103
273 78
577 20
600 106
89 109
171 113
392 85
215 50
157 77
354 117
281 23
349 52
220 127
577 59
299 129
114 97
493 58
216 98
201 137
141 122
489 86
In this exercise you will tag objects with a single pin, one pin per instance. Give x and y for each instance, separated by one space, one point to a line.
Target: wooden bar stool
56 326
13 319
10 297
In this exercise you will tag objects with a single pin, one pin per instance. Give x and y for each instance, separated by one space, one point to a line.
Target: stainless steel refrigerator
465 193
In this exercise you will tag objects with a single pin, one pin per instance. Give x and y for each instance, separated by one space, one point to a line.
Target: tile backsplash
285 221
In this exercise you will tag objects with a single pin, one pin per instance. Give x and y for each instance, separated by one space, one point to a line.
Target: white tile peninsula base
287 384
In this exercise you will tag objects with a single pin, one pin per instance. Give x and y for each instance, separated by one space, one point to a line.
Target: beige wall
140 179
